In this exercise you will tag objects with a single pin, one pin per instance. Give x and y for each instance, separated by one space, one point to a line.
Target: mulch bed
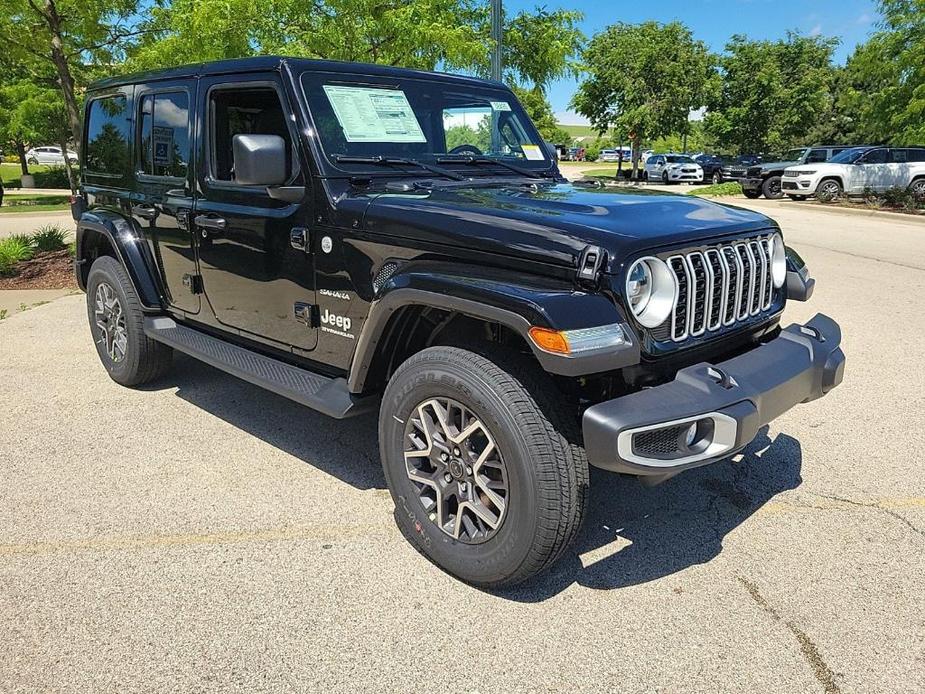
52 270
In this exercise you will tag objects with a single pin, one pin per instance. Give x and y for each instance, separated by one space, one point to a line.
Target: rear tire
717 178
917 188
772 188
535 458
130 357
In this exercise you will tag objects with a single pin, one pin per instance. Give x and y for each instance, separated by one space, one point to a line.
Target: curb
819 207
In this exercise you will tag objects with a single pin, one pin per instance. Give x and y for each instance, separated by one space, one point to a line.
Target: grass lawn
13 204
605 172
10 173
718 190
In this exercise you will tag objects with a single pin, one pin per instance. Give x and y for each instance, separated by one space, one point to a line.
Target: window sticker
500 106
374 115
533 152
163 146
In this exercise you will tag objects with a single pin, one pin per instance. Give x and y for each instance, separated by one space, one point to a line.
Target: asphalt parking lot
202 534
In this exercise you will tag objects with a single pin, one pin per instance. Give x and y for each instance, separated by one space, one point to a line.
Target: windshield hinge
590 264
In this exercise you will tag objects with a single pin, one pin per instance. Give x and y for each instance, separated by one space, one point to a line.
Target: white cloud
816 30
864 19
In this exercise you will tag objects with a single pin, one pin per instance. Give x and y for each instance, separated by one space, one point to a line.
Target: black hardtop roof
270 62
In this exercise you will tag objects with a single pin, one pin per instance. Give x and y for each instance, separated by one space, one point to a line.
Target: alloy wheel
110 321
918 188
457 467
828 191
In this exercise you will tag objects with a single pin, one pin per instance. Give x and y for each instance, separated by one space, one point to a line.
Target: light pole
496 39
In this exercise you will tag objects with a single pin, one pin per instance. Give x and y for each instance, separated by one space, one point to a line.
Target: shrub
23 239
50 238
54 177
12 251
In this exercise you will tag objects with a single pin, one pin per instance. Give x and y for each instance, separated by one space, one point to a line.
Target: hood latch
590 264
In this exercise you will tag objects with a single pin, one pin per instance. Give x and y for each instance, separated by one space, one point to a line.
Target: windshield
680 160
848 156
420 119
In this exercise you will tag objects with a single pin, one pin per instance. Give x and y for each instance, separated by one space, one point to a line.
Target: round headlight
778 261
650 289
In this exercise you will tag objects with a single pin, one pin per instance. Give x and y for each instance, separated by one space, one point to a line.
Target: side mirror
259 160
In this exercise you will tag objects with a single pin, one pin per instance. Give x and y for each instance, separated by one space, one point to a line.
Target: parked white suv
856 170
672 168
49 155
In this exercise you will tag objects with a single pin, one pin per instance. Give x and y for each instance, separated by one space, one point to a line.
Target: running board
327 395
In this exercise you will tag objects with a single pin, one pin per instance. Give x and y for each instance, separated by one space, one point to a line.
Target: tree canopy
644 80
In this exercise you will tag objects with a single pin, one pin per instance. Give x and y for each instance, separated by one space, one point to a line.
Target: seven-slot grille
720 286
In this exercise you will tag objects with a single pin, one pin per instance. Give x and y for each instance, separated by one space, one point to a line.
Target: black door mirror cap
259 160
287 193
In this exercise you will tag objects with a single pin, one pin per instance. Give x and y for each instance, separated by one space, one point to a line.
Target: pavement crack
822 672
874 505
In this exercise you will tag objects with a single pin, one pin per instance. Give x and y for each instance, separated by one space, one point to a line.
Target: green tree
881 96
773 93
537 107
644 80
32 115
55 39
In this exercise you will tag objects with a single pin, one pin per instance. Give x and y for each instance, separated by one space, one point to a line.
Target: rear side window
917 155
816 155
164 147
108 136
899 156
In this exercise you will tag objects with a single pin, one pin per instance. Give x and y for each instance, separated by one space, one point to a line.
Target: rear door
255 280
164 177
900 171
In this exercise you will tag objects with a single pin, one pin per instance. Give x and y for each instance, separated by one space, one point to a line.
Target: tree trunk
67 164
634 143
65 78
21 153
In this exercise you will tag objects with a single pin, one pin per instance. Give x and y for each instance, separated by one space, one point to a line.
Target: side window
899 156
816 155
243 111
108 136
876 156
163 135
915 155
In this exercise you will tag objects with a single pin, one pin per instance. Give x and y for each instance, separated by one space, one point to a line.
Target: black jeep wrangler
356 237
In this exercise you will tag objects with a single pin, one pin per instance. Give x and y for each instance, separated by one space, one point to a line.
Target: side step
327 395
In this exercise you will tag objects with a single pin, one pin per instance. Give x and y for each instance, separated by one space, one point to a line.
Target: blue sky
713 21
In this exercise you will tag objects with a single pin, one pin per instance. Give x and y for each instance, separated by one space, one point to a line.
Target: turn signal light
550 340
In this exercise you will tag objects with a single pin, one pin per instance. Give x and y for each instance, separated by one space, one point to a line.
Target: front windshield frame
849 156
310 81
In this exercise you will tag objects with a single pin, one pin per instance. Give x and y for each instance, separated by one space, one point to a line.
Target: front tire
772 188
130 357
717 178
829 190
751 194
483 464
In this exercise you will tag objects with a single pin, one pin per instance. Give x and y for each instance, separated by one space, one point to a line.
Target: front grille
720 287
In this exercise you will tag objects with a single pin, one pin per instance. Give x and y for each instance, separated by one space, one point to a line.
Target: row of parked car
827 172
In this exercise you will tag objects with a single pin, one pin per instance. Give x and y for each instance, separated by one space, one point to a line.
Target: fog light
691 435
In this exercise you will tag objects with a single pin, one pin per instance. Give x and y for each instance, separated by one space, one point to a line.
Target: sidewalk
13 300
28 222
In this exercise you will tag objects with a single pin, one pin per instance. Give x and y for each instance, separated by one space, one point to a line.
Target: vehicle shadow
632 533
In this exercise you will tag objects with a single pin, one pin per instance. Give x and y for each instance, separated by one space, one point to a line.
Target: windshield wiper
472 159
398 161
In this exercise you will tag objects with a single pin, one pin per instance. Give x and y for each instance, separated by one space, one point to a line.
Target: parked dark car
765 178
322 230
712 165
737 167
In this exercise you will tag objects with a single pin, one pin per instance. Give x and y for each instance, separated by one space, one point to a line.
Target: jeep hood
774 165
554 223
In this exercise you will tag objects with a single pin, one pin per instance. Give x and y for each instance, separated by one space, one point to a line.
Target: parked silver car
49 155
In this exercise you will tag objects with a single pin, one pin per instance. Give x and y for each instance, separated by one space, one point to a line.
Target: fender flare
515 300
131 250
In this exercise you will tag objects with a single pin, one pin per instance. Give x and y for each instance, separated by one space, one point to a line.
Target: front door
873 171
163 197
254 279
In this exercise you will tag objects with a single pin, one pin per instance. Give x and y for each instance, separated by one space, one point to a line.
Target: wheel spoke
452 458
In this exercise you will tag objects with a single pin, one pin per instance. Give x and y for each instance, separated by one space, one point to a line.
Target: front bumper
751 183
798 186
732 400
678 175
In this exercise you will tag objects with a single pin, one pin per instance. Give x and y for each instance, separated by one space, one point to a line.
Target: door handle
144 211
211 223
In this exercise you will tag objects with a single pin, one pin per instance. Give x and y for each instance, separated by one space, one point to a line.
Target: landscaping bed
48 270
42 260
